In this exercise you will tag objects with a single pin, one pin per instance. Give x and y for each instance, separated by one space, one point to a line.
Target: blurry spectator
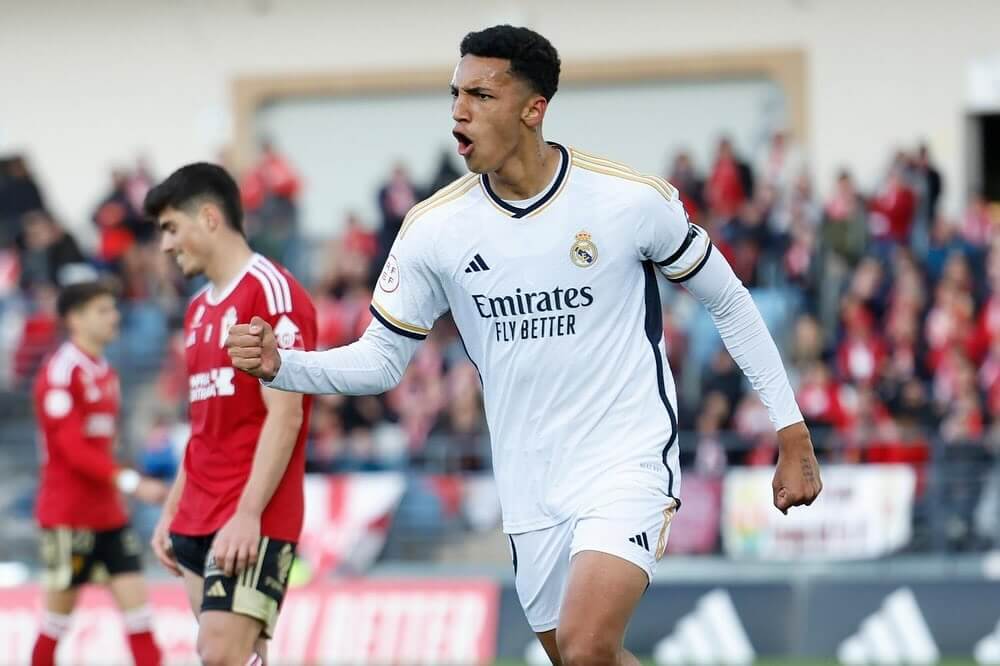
342 293
270 181
945 241
978 226
780 164
395 199
753 425
892 211
865 286
793 203
949 326
861 353
845 228
926 182
137 183
675 339
326 433
748 237
357 239
884 442
710 452
821 399
807 347
953 379
724 378
798 260
689 185
19 194
907 294
912 408
904 353
446 173
270 190
421 396
461 432
39 334
117 221
988 326
342 316
47 250
729 184
157 458
989 380
929 182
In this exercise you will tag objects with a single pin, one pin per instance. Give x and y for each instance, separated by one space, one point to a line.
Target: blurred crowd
886 309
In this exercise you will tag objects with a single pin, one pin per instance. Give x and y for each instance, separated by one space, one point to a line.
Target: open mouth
464 143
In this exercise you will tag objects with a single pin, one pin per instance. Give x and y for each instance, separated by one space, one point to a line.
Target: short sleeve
285 305
409 297
667 238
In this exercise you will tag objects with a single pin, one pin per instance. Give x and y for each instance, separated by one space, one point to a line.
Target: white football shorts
632 522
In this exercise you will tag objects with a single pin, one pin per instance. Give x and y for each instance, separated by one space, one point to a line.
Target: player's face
185 238
489 107
97 320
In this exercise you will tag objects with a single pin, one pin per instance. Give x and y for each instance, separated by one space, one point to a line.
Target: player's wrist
127 480
795 436
277 366
249 511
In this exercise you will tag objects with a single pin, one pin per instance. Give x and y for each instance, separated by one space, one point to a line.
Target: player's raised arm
684 253
407 301
374 364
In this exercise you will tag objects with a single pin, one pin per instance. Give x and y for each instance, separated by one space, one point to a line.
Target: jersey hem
521 527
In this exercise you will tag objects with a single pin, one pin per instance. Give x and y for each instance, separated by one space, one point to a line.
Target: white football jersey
558 307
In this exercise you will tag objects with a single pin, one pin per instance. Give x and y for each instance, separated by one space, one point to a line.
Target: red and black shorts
256 592
72 556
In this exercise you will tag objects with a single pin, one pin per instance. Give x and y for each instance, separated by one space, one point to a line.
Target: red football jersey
77 403
226 408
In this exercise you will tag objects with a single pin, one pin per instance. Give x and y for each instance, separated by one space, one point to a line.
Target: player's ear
209 216
534 111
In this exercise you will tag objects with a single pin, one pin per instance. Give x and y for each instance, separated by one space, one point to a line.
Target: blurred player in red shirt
85 529
235 511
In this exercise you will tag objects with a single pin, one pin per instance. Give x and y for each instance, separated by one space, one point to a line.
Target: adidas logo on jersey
710 634
476 265
217 590
894 634
640 540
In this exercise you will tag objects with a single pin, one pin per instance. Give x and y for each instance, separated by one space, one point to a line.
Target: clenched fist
253 349
796 476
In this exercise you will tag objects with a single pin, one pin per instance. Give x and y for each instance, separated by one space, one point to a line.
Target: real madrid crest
583 252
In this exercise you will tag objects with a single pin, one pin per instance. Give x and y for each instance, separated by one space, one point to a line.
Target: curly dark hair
532 57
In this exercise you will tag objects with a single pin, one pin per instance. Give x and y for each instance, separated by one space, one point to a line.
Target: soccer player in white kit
546 257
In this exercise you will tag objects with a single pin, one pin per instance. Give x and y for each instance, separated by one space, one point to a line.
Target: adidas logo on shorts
640 540
217 590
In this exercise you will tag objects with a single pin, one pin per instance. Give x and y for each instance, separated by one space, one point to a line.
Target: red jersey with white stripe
77 403
227 410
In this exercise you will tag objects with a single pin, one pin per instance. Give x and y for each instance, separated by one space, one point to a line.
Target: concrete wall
86 85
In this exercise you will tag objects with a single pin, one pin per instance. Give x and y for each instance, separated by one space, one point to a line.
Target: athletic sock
54 626
139 627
